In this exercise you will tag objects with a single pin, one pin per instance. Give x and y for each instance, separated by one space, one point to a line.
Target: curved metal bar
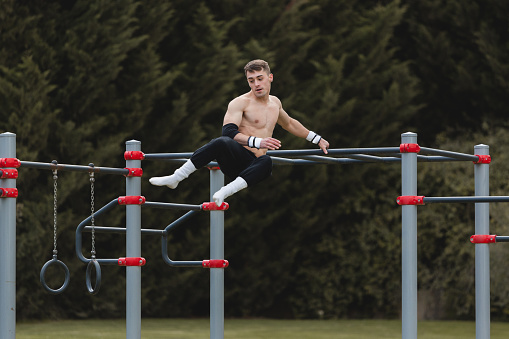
66 279
88 279
79 237
164 243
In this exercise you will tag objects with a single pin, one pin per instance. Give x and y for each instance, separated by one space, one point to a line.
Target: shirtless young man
247 135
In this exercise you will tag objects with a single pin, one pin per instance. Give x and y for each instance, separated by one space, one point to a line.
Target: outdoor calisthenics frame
408 154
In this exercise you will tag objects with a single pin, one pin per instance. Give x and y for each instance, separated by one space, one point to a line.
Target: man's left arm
296 128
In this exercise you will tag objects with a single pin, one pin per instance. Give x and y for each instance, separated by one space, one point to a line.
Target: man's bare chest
261 116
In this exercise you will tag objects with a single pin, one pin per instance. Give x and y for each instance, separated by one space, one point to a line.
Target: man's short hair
257 65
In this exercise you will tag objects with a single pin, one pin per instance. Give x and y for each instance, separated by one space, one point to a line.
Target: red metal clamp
8 192
215 263
409 148
410 200
8 173
483 239
133 261
131 200
134 155
213 168
211 206
10 162
483 159
134 172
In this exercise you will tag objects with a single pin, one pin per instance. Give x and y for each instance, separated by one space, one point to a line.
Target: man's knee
222 141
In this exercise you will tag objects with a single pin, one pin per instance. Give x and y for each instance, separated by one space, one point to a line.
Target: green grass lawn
253 329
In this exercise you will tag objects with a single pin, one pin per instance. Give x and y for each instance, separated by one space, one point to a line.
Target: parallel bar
482 254
502 238
7 246
172 206
476 199
456 155
74 168
121 230
409 241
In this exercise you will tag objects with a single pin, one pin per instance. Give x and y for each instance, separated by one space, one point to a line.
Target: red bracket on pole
131 200
483 239
215 263
134 155
10 162
213 168
133 261
211 206
134 172
8 192
8 173
409 148
410 200
483 159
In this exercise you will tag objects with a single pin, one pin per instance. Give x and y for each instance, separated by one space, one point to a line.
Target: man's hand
323 144
271 143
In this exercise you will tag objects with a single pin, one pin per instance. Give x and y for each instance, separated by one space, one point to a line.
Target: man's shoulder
240 101
275 99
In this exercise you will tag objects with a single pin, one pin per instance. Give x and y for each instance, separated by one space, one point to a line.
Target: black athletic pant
234 160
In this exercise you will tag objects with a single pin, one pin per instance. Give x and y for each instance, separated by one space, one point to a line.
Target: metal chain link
92 193
55 177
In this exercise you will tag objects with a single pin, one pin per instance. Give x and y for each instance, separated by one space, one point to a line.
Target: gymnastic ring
93 290
66 280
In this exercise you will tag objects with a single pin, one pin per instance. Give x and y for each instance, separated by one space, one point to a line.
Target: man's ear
271 77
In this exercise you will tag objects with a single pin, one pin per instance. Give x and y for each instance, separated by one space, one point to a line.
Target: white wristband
254 142
313 137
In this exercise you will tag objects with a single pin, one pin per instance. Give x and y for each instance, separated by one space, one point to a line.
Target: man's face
259 81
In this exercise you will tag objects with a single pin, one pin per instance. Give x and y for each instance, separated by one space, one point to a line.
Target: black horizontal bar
74 168
172 206
466 199
456 155
502 238
121 230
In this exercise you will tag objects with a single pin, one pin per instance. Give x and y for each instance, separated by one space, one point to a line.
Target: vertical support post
482 254
409 241
133 249
8 246
216 252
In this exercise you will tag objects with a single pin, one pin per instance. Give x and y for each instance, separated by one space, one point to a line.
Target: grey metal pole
409 240
482 254
133 249
216 252
7 246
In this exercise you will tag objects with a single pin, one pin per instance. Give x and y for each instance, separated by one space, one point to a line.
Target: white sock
230 189
173 180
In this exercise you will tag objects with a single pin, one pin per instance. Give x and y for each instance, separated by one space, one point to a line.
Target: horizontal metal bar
502 238
473 199
106 261
121 230
172 206
456 155
432 158
335 151
74 168
163 156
